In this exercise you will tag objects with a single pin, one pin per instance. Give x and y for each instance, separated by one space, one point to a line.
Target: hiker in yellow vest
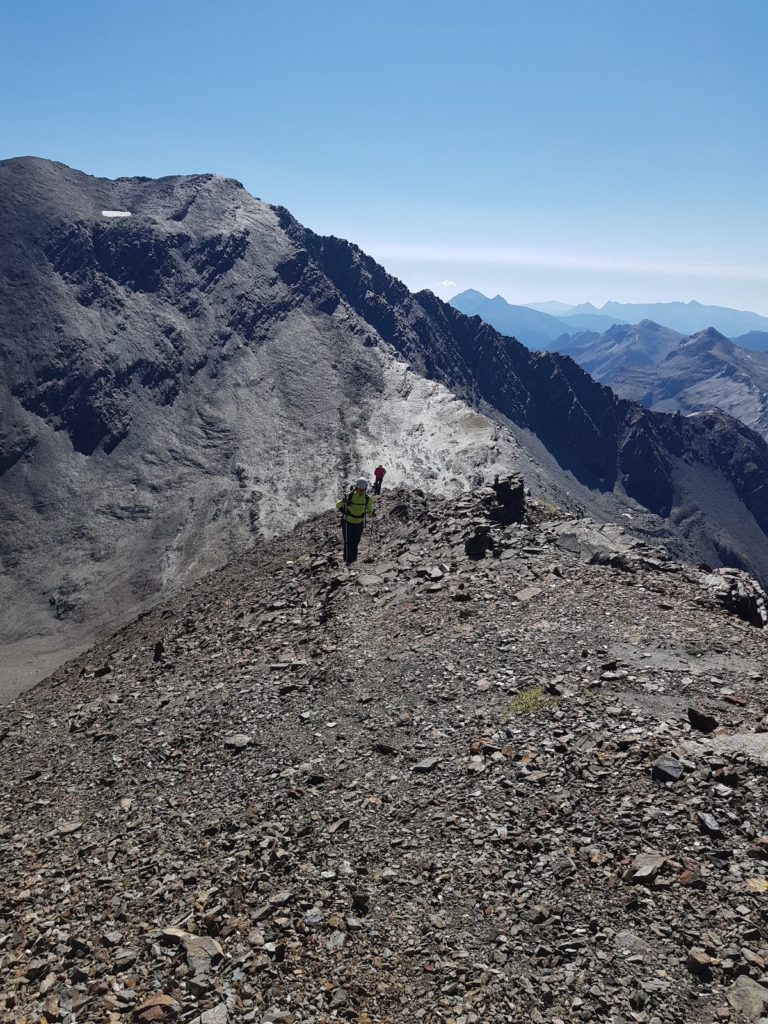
355 508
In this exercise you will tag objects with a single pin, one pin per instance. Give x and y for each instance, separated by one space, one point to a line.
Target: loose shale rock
357 798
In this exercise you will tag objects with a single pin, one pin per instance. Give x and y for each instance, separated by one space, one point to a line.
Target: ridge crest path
417 794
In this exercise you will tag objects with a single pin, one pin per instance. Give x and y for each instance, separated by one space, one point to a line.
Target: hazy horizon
531 303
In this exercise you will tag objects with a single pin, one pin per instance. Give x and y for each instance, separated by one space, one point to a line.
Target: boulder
738 593
748 997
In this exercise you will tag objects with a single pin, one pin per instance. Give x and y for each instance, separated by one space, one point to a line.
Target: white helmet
362 484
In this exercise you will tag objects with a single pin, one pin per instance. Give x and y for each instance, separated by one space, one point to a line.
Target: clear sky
580 150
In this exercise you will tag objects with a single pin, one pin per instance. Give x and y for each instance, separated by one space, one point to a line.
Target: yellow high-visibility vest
356 507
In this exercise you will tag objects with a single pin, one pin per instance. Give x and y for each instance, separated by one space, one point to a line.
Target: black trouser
377 485
352 532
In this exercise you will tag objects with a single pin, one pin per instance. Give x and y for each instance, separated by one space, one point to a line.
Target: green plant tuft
529 702
538 511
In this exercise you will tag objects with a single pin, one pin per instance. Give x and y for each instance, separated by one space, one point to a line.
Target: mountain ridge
535 329
622 346
176 382
668 372
704 371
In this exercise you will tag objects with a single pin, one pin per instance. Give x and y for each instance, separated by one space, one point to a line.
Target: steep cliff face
176 381
605 442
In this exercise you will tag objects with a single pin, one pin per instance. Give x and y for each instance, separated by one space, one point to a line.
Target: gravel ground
441 788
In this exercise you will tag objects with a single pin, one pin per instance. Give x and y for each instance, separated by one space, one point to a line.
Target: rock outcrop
740 594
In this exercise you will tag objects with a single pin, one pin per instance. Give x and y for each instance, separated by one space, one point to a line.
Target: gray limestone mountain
621 347
667 373
203 370
168 392
515 781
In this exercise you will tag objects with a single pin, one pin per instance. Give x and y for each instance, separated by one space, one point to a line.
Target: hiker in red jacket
378 475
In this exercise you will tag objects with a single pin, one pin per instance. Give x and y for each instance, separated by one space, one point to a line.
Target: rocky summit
510 769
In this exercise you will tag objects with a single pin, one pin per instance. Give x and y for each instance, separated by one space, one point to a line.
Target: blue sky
543 149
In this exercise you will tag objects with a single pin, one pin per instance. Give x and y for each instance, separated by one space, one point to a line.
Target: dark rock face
17 438
508 503
701 721
739 594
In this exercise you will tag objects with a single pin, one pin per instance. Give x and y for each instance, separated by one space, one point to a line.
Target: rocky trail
505 772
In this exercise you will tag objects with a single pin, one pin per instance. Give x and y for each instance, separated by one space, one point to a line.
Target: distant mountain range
703 372
553 308
686 317
619 348
755 341
668 372
535 329
541 325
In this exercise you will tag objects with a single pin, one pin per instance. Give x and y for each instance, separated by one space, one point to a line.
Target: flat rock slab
66 828
628 942
666 769
753 745
748 997
163 1005
644 868
369 579
238 741
217 1015
202 952
592 543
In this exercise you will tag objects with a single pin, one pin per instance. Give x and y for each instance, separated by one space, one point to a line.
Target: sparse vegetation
529 702
537 511
588 694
